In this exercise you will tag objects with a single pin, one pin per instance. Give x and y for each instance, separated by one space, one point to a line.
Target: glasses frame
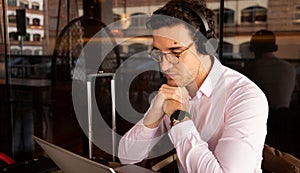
169 56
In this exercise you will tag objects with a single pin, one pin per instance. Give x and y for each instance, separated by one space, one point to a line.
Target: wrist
152 125
152 118
177 122
179 116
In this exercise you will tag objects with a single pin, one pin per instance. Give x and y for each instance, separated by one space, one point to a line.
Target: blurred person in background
276 77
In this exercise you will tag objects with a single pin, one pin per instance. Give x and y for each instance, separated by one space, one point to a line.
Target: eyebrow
180 48
171 48
154 48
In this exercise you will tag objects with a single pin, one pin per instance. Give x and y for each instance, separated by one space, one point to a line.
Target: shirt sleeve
239 148
136 144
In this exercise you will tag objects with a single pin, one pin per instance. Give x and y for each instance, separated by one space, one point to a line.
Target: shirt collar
212 78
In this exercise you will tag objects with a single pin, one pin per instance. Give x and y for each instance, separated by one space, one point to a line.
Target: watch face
175 115
178 115
181 115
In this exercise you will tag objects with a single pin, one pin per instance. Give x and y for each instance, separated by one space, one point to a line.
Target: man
276 77
214 116
273 75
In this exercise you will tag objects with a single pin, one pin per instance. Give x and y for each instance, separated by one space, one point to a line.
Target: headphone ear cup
207 46
211 46
201 42
201 46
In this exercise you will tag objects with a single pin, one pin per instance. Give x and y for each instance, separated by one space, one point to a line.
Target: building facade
241 19
31 43
46 18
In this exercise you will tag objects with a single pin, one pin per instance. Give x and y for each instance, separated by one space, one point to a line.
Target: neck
192 89
203 70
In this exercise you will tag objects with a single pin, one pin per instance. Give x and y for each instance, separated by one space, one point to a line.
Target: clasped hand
168 100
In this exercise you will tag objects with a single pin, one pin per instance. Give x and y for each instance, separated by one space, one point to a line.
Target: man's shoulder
237 80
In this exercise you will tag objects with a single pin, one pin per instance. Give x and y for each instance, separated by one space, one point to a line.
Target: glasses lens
173 59
156 55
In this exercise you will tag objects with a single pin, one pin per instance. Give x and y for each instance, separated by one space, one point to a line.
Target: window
12 2
27 20
51 17
37 52
297 13
12 18
245 51
228 16
26 37
27 52
36 37
136 48
15 51
24 4
254 14
35 6
53 23
227 50
13 36
137 21
36 22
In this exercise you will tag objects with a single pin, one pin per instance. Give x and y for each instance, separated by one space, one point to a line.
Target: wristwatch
178 116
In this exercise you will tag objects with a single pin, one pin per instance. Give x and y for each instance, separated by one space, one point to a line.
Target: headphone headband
198 13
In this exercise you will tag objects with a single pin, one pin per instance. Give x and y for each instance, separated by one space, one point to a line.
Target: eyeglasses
157 55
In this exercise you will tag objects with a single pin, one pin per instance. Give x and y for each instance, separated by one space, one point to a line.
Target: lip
170 76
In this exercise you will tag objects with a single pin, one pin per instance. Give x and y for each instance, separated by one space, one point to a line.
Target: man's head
263 41
180 34
193 14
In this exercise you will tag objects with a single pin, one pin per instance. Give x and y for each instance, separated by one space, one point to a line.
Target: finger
171 106
177 93
179 90
169 95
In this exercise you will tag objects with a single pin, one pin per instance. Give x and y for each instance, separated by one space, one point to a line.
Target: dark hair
263 41
192 13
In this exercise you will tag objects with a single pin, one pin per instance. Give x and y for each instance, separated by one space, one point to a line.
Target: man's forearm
137 143
153 118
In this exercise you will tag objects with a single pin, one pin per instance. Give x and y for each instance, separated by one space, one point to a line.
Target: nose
165 64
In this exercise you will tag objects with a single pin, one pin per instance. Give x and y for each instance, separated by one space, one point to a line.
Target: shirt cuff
146 131
180 131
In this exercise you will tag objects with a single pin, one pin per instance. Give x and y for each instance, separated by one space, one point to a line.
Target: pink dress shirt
226 132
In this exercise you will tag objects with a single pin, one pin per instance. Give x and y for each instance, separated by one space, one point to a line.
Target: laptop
70 162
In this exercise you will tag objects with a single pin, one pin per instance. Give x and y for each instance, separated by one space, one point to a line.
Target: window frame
252 13
227 13
24 4
297 13
35 6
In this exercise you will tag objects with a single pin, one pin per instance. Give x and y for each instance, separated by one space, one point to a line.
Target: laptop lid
70 162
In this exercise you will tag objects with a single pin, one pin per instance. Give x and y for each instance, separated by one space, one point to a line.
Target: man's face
176 40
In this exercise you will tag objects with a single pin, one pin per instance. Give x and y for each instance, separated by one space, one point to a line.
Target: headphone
207 44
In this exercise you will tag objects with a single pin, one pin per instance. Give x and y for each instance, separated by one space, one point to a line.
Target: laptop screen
70 162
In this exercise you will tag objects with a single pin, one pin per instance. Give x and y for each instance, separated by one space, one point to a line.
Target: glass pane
229 16
248 56
297 12
41 62
12 19
12 2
